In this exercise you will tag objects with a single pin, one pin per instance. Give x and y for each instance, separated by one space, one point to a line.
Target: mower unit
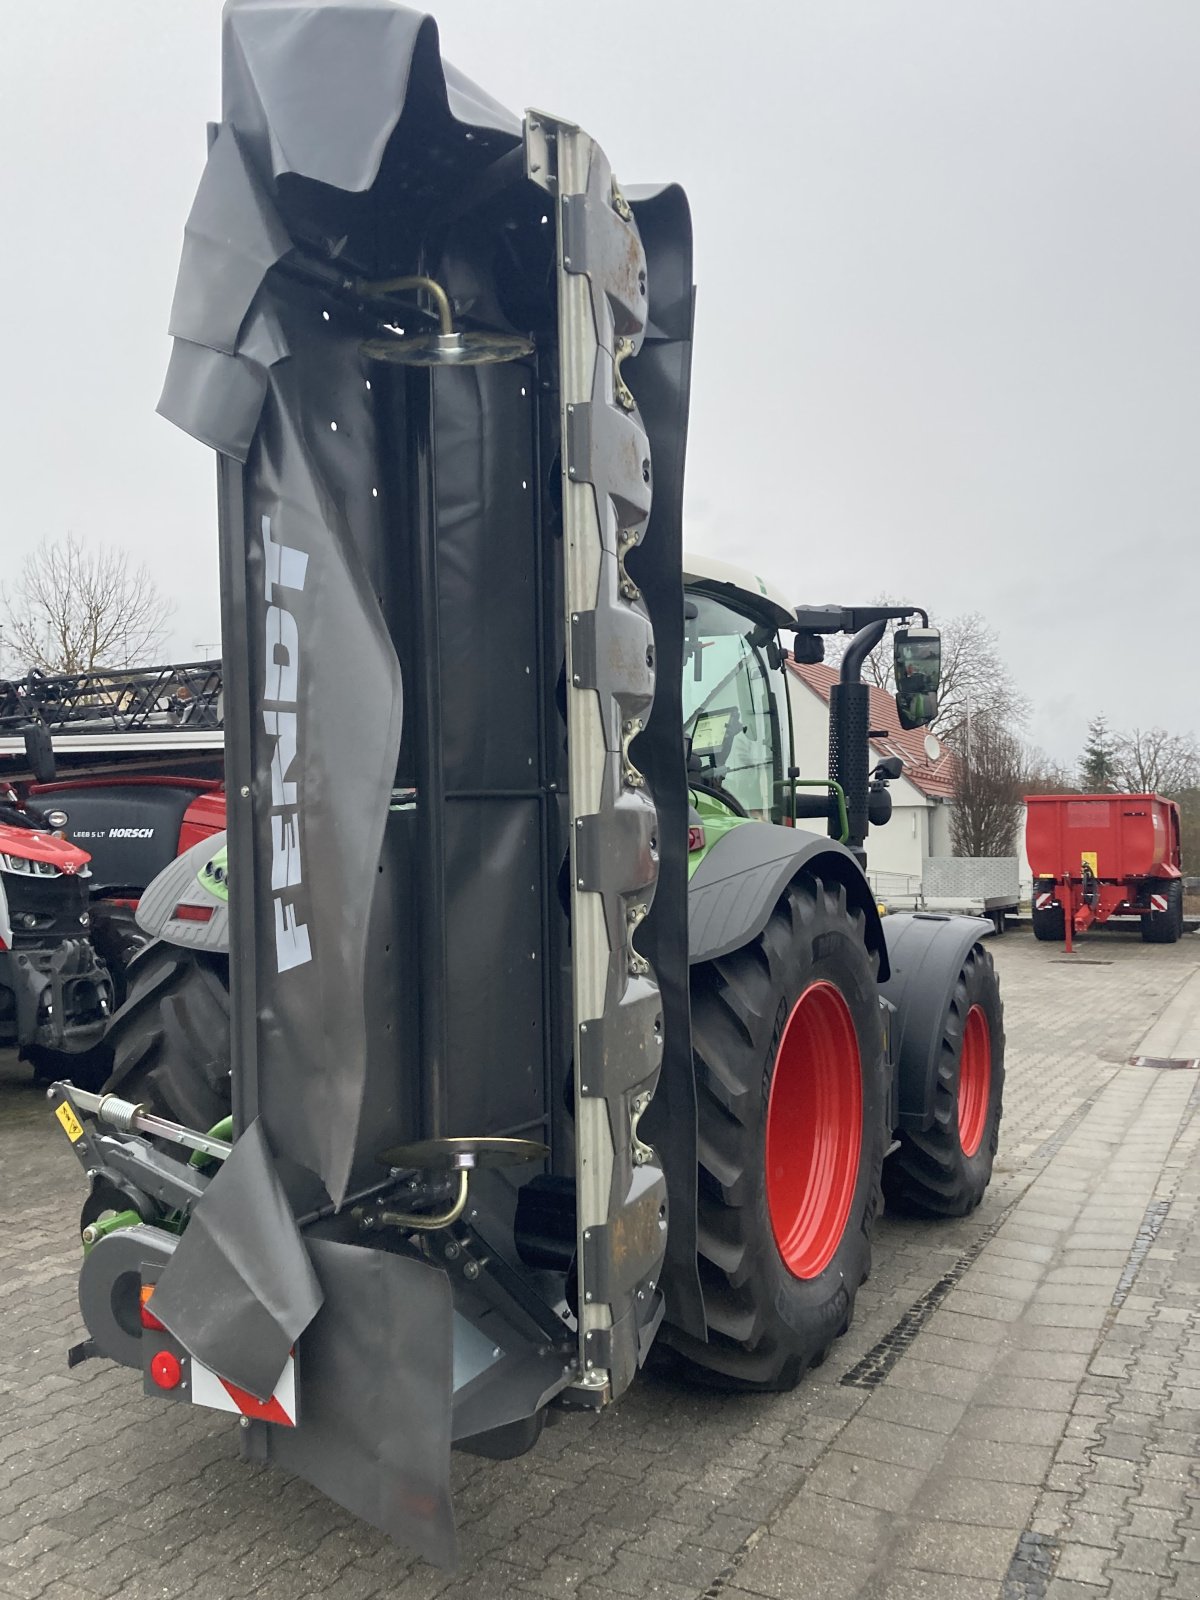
519 1030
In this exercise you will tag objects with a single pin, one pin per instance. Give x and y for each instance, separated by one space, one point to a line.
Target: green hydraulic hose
219 1130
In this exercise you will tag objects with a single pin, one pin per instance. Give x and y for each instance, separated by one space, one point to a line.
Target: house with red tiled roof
921 799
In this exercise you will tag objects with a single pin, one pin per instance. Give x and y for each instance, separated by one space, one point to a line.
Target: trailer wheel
170 1040
1165 927
944 1171
1049 924
792 1098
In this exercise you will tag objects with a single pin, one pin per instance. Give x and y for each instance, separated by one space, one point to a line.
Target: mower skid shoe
375 1374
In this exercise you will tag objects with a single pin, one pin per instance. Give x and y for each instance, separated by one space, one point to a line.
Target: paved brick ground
1020 1418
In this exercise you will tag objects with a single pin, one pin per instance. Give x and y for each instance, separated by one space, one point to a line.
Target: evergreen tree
1098 763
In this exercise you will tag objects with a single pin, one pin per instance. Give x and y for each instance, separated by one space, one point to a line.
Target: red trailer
1096 856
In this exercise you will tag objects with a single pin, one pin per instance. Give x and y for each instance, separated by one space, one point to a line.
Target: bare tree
1153 761
988 793
975 682
1189 828
74 607
1044 775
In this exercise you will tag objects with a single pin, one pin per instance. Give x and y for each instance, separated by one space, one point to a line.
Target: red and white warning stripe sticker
1158 902
1044 900
209 1389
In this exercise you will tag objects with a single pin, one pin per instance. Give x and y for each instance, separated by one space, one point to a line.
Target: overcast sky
948 339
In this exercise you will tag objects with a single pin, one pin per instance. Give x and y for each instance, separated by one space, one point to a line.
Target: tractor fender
181 884
735 888
926 951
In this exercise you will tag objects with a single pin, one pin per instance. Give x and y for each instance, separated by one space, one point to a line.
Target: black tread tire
170 1040
118 939
766 1327
930 1174
1165 927
1049 924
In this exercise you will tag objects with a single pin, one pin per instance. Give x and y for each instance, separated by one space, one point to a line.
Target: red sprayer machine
1096 856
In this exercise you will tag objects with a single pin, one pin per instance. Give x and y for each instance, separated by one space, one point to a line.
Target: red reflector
695 839
149 1320
165 1370
789 822
186 913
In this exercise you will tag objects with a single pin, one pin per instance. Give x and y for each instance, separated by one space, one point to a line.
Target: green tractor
524 1032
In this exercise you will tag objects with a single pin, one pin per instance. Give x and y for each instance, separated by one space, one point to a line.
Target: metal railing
184 695
900 890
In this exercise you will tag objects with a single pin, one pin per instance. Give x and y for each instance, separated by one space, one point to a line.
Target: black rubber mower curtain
312 95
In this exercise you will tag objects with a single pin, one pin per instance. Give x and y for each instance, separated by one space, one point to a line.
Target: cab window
730 721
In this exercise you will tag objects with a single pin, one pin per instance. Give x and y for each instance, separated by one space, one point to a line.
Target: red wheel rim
814 1130
974 1081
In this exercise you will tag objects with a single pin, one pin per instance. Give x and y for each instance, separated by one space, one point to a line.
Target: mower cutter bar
130 1118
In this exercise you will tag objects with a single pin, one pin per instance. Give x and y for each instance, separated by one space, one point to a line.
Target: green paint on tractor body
717 820
214 875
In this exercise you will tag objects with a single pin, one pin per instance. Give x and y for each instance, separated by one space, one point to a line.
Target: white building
921 798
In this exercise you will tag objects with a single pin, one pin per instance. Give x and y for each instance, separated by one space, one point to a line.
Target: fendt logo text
285 569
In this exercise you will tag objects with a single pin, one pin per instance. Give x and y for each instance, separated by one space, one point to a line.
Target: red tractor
131 764
133 827
55 991
1097 856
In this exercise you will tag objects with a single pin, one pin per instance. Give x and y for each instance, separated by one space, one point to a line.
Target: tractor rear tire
944 1171
791 1082
1049 924
170 1040
1165 927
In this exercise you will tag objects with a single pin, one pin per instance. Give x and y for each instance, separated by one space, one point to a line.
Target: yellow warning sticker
71 1123
1089 860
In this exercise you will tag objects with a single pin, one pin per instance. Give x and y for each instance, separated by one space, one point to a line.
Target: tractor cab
736 712
737 716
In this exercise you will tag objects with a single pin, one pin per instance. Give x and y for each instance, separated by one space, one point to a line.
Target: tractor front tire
170 1039
944 1171
791 1082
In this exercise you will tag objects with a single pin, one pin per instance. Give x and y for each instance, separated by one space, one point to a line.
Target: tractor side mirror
879 806
918 659
39 751
809 649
